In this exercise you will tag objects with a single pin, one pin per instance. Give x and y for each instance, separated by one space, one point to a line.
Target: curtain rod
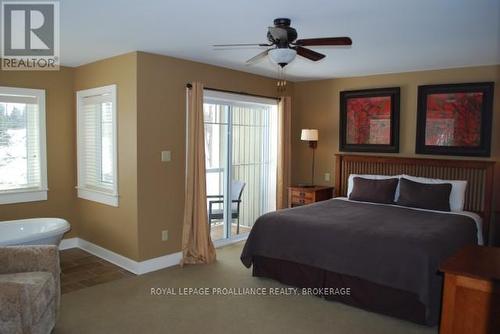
188 85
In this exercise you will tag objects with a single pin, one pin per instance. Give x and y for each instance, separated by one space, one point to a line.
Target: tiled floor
81 270
217 230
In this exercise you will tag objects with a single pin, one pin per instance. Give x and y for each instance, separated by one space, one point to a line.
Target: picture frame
455 119
369 120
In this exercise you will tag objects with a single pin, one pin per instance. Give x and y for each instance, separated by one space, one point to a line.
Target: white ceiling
388 35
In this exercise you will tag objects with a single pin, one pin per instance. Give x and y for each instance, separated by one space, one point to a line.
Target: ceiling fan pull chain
281 83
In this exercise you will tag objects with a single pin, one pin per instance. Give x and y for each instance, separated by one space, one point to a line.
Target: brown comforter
393 246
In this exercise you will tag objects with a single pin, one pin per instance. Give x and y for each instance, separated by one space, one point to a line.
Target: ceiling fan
284 45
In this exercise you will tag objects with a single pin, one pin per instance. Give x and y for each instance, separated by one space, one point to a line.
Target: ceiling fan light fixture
282 56
282 38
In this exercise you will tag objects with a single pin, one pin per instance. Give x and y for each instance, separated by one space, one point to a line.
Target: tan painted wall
115 228
61 152
161 126
151 118
316 105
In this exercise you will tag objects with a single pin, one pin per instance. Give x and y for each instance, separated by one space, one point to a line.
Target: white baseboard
135 267
233 240
158 263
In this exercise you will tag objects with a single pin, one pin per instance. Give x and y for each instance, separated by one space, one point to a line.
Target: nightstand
298 196
471 296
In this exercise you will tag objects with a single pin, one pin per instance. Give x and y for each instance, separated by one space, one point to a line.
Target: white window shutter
97 172
23 169
33 145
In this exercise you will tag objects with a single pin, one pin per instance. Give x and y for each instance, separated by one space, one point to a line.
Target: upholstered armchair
29 289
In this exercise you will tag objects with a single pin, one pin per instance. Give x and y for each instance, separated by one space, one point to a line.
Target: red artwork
454 119
369 120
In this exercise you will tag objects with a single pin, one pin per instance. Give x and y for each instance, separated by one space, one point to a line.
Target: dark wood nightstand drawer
306 195
301 201
302 194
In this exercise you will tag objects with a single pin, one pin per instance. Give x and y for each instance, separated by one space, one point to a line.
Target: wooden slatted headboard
479 176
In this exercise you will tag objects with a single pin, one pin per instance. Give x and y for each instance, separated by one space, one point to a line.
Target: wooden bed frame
479 176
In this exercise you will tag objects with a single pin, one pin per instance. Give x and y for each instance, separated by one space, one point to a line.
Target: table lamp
311 136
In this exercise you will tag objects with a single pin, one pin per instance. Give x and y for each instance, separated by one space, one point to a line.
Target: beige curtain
284 151
197 246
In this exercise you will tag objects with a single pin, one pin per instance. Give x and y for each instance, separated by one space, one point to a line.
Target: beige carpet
127 306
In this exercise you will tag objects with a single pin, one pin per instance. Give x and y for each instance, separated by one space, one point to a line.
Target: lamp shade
282 55
309 135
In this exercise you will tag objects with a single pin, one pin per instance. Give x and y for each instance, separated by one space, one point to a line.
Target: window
97 148
23 163
241 138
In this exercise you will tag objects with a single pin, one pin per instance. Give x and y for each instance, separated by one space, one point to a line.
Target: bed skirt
363 294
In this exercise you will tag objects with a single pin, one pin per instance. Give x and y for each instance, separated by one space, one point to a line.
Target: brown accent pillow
424 195
372 190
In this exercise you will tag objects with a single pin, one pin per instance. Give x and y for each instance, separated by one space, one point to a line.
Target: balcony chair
218 214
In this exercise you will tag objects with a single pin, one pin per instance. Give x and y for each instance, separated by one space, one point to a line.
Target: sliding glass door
240 150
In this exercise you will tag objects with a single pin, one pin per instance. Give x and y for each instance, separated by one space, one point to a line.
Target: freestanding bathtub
34 231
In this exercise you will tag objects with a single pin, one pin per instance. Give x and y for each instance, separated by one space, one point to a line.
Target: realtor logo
30 35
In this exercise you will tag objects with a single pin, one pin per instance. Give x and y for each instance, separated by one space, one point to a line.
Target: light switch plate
165 156
164 235
327 176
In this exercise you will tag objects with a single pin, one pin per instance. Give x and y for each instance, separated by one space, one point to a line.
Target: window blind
20 144
97 144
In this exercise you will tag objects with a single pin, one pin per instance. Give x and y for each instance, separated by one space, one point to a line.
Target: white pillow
457 195
350 181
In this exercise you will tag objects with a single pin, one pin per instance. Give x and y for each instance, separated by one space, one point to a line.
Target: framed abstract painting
455 119
369 120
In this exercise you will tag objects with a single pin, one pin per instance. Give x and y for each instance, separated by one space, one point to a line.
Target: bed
387 255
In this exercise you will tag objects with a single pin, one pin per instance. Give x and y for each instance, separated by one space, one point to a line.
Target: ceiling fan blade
309 54
278 33
244 44
257 57
324 41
